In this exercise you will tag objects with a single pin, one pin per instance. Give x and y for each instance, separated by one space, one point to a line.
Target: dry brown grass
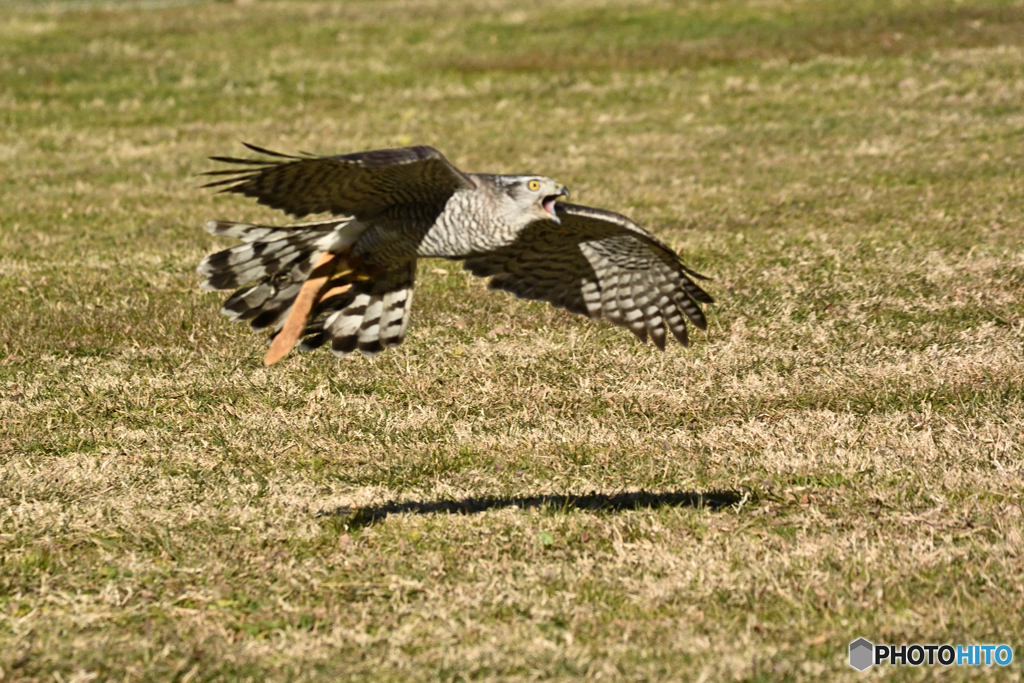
516 493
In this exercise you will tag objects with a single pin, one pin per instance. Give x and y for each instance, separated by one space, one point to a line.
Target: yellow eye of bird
534 185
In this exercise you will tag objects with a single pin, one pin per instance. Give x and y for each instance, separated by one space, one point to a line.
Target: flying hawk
348 279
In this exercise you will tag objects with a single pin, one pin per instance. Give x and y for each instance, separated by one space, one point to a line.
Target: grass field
516 493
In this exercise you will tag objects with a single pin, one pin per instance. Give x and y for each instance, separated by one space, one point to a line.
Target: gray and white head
532 197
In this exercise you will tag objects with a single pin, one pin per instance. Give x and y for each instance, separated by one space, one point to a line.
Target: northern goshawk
348 279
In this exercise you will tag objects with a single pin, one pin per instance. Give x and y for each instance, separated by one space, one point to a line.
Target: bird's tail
369 316
297 281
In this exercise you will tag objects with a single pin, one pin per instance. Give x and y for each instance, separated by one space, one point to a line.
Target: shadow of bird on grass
358 517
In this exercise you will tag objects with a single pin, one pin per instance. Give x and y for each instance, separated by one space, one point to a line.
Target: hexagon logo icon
862 654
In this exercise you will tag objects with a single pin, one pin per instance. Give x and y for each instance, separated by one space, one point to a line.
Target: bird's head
535 195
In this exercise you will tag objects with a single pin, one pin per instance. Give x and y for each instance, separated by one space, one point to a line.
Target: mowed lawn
517 493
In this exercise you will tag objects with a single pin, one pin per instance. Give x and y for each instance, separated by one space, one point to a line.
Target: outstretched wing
602 265
361 185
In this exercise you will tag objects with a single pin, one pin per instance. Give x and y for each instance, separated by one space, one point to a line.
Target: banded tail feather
309 295
372 316
269 267
346 303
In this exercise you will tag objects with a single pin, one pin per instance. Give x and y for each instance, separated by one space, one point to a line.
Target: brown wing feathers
600 264
361 185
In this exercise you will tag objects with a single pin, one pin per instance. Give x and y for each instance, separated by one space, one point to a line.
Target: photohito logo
864 654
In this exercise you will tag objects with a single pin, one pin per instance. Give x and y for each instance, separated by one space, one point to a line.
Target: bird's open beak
549 201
